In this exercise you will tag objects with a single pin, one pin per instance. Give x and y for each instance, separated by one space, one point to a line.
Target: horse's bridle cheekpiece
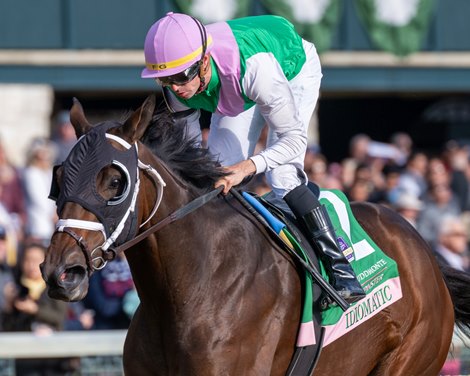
117 216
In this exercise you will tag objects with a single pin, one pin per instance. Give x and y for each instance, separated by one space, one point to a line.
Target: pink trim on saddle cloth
381 297
226 55
306 336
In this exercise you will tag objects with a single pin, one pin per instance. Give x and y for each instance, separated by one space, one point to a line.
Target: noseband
93 263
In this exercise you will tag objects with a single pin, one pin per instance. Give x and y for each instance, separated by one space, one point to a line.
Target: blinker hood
90 155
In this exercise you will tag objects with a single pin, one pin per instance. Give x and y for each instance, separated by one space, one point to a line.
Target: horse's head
96 191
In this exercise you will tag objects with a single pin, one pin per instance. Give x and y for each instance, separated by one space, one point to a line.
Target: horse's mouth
70 284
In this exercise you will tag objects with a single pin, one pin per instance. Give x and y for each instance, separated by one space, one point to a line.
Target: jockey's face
187 83
188 89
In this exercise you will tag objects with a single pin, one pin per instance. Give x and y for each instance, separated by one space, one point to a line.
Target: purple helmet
174 43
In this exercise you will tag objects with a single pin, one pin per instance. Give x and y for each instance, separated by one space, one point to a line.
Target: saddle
377 272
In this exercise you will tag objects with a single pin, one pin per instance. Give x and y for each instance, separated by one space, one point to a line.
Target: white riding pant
234 139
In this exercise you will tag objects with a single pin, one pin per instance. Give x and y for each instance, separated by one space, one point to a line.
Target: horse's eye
116 183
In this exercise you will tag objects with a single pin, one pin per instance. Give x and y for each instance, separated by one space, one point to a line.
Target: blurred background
392 124
407 71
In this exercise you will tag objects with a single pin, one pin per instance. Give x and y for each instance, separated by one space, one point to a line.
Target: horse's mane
167 138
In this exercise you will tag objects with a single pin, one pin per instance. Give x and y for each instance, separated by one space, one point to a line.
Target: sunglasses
181 78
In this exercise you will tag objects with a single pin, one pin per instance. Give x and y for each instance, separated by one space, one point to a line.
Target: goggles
181 78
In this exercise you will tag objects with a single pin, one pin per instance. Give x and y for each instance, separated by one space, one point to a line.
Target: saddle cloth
377 273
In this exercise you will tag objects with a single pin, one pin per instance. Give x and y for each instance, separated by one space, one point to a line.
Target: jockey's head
175 47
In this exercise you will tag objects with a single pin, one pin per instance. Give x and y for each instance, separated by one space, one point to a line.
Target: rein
110 253
177 214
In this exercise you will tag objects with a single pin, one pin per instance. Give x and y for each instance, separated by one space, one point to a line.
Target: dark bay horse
218 296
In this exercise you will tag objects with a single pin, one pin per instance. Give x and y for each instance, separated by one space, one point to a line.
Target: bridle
108 253
94 260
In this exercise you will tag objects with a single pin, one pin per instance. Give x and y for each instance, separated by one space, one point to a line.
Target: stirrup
326 301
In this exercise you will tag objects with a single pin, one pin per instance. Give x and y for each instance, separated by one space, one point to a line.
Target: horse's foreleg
141 358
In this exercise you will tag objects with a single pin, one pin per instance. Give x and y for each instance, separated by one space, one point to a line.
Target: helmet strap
202 71
201 85
202 78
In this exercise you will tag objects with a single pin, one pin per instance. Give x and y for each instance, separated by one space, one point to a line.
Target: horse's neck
161 261
175 191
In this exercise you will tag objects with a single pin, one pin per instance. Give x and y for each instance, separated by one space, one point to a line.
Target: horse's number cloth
377 273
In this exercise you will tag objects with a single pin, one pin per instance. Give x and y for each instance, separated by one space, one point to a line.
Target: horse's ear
78 119
136 125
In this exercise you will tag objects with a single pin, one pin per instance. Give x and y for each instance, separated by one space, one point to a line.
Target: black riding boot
321 235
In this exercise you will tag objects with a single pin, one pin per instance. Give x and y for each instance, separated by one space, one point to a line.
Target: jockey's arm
267 86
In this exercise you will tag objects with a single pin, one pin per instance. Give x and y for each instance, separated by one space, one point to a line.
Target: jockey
250 72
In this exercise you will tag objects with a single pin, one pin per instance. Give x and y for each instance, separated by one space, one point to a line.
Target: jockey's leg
319 230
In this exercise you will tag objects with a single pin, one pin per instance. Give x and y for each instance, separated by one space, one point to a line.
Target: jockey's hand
237 173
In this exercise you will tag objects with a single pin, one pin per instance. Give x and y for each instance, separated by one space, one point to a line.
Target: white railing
62 344
105 343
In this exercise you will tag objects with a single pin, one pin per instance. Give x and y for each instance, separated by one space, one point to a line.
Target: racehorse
217 295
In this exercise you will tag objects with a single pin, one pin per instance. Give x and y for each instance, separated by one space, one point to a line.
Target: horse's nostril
72 275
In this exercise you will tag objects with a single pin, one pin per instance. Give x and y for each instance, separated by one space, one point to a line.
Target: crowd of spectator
431 191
